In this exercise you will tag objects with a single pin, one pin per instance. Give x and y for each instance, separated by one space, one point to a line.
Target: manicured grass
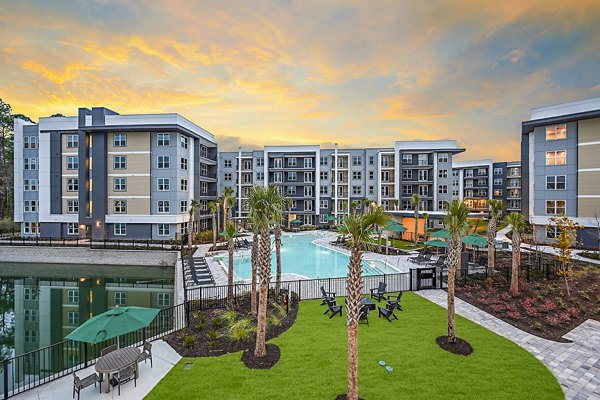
313 363
401 244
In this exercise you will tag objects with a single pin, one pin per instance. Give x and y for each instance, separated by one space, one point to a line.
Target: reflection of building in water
48 310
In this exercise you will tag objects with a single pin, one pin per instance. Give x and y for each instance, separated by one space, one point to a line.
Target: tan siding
136 164
64 166
136 186
134 207
64 206
136 141
588 156
64 187
589 182
64 147
588 207
588 130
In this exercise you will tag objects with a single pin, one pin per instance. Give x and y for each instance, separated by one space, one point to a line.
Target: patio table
369 303
115 361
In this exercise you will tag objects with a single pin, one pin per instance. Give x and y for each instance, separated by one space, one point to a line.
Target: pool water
300 256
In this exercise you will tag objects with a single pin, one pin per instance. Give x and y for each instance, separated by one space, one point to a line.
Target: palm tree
230 233
394 203
425 228
194 204
218 204
279 201
359 228
212 206
495 208
366 203
262 202
517 223
457 223
414 200
288 202
228 202
255 263
355 204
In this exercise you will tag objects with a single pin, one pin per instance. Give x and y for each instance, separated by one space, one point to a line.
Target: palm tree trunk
491 239
516 260
288 221
379 242
218 223
190 233
353 290
214 232
224 217
255 266
453 260
230 274
416 225
264 276
278 257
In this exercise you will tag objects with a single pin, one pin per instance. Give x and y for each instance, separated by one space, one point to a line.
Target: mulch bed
205 346
266 362
460 346
543 307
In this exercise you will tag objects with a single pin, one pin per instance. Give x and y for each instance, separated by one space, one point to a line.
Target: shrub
547 306
212 335
274 320
538 326
564 317
505 296
200 326
574 311
212 344
529 306
560 304
552 320
499 307
280 310
229 316
219 322
189 341
514 315
241 330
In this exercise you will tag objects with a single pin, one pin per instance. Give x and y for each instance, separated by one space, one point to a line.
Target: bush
212 335
189 341
280 310
514 315
219 322
274 320
241 330
552 320
200 326
547 306
229 316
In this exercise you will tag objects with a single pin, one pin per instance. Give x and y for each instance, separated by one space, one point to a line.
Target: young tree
288 203
495 209
415 200
366 203
228 201
566 239
194 204
355 204
277 217
517 223
425 227
212 206
218 204
230 233
457 223
255 264
359 228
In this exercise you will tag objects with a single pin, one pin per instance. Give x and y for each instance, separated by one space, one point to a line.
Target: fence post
200 298
85 354
5 367
299 290
411 279
187 314
144 335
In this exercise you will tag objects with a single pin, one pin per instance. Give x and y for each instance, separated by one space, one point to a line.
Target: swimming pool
300 256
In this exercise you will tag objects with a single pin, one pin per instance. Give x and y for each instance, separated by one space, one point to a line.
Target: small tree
495 210
228 202
213 211
415 200
517 223
425 227
194 205
566 239
231 233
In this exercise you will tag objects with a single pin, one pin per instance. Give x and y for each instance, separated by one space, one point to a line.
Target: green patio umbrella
113 323
436 243
296 221
331 218
441 234
395 227
475 240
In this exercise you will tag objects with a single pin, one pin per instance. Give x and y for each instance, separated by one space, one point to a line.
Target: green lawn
400 244
313 363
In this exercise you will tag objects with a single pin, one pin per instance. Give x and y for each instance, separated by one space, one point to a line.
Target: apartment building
561 169
103 175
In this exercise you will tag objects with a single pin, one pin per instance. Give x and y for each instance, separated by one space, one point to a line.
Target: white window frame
72 162
324 204
72 206
163 139
119 162
556 182
164 230
72 141
119 184
553 156
163 162
442 157
120 206
119 140
183 185
120 229
552 132
72 184
163 206
120 298
72 228
183 142
163 184
183 163
555 207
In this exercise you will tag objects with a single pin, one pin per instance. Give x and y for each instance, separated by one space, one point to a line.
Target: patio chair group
240 244
120 377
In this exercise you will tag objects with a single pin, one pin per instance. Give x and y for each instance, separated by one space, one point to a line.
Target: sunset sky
360 73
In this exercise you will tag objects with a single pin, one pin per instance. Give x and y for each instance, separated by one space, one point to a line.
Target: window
324 189
72 141
30 185
455 182
324 175
371 160
120 162
30 314
164 299
356 160
308 177
324 204
72 206
292 162
184 163
260 176
371 190
278 177
164 206
120 184
357 175
324 161
407 190
163 139
481 192
30 206
442 205
497 192
308 163
120 140
423 175
407 174
29 294
407 158
556 182
292 176
227 163
72 163
443 189
260 162
73 318
184 184
385 176
497 171
164 229
203 151
183 142
73 296
308 205
443 157
33 142
552 231
72 184
468 173
554 207
30 164
308 191
481 182
72 228
357 190
120 298
498 182
120 229
31 227
558 157
371 175
385 161
164 184
454 192
291 190
323 219
556 132
481 171
227 176
30 336
443 173
163 162
120 206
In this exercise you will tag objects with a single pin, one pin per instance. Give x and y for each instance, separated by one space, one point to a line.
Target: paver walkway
576 365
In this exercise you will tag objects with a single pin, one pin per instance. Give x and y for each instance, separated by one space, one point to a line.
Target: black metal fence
32 369
93 244
535 271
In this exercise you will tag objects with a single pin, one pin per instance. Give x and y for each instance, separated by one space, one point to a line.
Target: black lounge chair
440 262
426 259
418 258
146 353
334 308
364 314
379 292
79 383
388 311
327 296
125 375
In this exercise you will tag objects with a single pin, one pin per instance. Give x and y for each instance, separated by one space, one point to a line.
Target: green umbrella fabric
113 323
436 243
296 221
331 218
395 227
475 240
442 234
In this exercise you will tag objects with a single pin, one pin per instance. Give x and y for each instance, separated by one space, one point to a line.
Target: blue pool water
300 256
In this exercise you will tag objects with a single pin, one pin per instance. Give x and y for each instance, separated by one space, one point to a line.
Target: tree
230 233
366 204
359 228
597 219
355 205
218 204
566 238
263 202
56 115
194 204
212 206
517 223
456 223
425 227
415 200
495 208
277 217
228 201
255 260
288 202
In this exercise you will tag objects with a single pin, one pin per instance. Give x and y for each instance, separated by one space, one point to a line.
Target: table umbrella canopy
395 227
442 233
113 323
296 221
331 218
475 240
436 243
